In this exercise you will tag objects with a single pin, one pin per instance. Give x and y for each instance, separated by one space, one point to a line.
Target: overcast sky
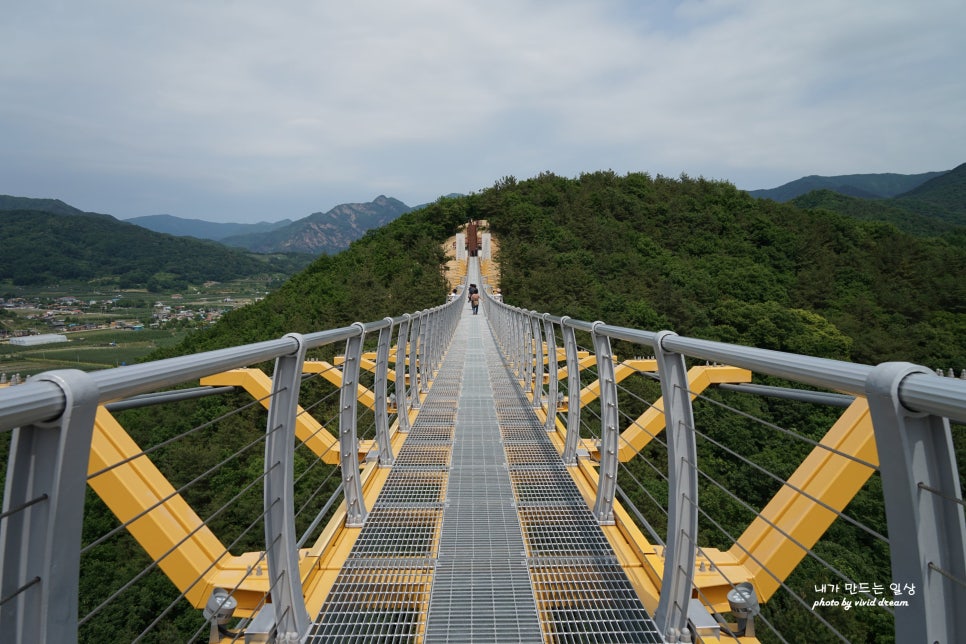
249 110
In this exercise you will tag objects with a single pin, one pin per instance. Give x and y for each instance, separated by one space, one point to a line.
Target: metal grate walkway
481 591
480 534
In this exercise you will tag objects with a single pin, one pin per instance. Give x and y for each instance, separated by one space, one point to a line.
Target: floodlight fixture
744 606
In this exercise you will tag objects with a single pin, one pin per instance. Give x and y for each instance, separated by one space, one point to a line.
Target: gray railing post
505 336
609 430
281 551
402 392
442 335
519 344
435 328
682 527
386 458
535 327
414 360
439 331
43 506
552 366
348 437
442 332
510 341
510 338
429 345
920 483
424 360
528 351
573 393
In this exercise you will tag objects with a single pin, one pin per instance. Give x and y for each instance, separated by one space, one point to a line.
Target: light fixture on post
744 606
218 610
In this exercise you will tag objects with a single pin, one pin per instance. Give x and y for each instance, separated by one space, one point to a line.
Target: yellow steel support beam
768 551
592 391
644 563
622 370
651 422
187 551
368 362
165 526
307 429
192 557
156 516
584 360
365 395
767 547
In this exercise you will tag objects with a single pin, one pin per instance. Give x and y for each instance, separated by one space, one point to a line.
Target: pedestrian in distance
473 292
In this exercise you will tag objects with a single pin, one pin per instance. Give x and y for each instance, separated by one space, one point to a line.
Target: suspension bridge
476 486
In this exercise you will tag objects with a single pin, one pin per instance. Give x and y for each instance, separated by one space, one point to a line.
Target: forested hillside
46 247
869 186
892 211
390 271
56 206
943 197
936 207
698 257
705 259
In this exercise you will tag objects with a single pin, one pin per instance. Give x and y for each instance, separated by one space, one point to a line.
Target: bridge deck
479 533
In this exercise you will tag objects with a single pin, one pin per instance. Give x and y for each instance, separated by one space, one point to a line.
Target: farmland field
80 307
87 351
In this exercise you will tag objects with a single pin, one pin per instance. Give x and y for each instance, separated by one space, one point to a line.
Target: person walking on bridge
474 298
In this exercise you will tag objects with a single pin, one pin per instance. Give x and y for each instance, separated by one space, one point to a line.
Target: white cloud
237 103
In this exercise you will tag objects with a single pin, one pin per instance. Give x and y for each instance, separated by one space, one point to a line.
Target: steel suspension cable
173 548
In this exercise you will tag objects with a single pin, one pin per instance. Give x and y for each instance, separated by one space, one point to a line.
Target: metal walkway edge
481 591
480 534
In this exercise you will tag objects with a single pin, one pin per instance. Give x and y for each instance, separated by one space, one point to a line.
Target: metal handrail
911 409
52 415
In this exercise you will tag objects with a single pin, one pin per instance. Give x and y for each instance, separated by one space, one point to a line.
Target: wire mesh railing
113 478
746 514
762 503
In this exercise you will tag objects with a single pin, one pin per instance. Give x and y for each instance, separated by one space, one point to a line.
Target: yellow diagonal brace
715 572
584 360
333 375
136 488
825 475
259 385
622 370
651 422
368 362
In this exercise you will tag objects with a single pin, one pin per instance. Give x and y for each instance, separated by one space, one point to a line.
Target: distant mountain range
865 186
934 207
203 229
317 234
46 241
932 203
323 232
